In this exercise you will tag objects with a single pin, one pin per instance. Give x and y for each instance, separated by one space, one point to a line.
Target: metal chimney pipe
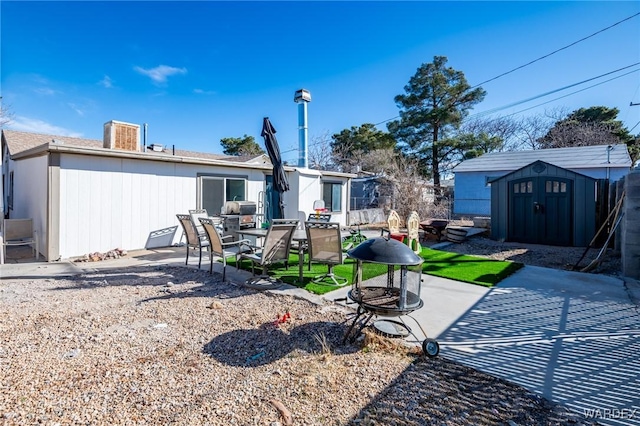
144 142
302 97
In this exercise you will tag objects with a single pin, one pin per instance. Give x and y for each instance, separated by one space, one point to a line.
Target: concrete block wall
367 216
630 238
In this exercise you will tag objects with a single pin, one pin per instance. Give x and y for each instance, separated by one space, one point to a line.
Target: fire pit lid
385 251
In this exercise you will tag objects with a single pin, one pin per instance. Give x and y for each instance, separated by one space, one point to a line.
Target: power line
494 110
552 100
556 51
538 59
572 93
491 111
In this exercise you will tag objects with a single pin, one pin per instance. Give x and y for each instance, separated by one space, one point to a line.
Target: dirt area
534 254
175 345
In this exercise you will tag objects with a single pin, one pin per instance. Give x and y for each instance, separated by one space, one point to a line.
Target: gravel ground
172 345
540 255
537 254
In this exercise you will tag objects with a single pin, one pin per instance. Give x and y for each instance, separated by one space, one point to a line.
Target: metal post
302 97
302 134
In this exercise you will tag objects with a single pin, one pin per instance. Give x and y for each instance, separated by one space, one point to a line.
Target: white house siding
307 185
309 189
255 182
108 203
30 194
473 196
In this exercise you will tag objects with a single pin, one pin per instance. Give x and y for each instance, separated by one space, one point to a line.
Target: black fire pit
394 293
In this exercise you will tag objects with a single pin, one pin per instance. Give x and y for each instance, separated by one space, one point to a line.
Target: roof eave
144 156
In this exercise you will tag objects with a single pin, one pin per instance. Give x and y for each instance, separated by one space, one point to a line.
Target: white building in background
90 196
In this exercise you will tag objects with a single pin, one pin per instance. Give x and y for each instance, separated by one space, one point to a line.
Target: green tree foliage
597 125
474 145
245 145
435 102
351 145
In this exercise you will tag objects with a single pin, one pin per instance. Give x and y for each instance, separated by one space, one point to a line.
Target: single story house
472 188
88 196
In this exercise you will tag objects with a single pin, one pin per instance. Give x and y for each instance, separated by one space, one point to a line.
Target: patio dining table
299 235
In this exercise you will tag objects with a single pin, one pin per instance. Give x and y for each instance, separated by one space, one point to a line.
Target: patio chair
221 249
319 217
195 215
194 240
298 247
18 232
325 246
413 232
276 248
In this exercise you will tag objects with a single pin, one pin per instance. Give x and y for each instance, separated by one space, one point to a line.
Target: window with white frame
216 190
332 196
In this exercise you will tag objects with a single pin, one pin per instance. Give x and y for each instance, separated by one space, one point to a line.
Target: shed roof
582 157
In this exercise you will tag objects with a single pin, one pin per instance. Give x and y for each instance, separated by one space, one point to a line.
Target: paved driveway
572 337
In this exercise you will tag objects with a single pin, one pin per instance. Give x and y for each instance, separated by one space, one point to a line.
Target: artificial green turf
290 275
459 267
470 269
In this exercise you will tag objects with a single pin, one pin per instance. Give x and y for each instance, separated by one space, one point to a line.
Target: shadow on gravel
271 342
172 282
439 391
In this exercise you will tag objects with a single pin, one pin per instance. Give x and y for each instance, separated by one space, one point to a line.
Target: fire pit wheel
430 348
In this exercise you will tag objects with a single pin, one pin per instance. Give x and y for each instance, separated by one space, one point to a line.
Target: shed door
540 211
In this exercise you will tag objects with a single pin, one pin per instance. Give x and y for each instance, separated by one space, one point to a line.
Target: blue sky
197 72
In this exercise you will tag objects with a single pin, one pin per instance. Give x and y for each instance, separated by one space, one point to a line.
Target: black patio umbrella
280 182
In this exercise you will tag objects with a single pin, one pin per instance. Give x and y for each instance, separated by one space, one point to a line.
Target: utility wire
572 93
491 111
556 51
494 110
536 60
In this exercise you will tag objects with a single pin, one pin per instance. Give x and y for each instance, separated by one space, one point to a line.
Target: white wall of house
92 203
309 190
30 194
255 182
306 186
472 196
108 203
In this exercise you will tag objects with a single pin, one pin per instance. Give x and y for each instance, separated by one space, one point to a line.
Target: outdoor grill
242 208
393 289
237 215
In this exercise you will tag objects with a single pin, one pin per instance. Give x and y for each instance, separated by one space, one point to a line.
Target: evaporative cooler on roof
123 136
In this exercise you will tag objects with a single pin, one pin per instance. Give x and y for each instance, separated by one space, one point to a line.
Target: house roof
18 142
583 157
24 144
